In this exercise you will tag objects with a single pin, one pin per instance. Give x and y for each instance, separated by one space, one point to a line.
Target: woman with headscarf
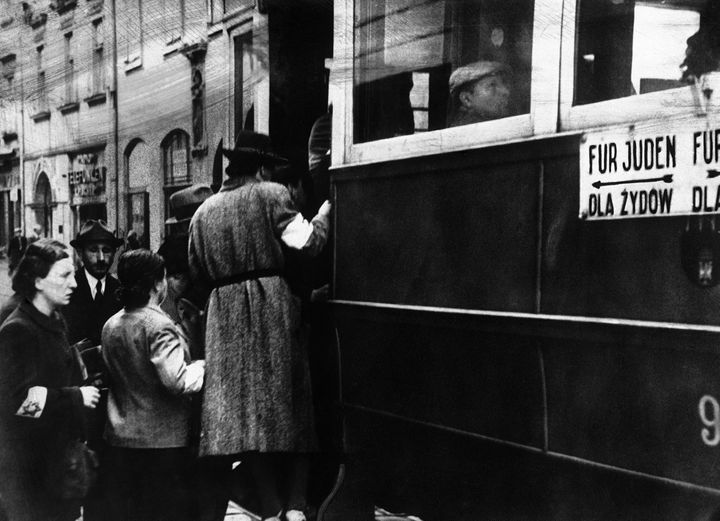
41 396
257 403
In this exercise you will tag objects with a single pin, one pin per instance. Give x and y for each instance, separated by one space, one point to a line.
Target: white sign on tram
650 173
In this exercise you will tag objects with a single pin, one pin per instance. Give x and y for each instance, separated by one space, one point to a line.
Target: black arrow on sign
666 178
713 173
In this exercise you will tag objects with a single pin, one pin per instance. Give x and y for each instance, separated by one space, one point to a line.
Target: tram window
629 47
407 50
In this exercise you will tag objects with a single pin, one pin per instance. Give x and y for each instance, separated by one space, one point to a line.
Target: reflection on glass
628 47
428 64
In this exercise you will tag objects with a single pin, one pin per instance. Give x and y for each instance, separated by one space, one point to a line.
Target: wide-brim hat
95 231
185 202
255 145
475 71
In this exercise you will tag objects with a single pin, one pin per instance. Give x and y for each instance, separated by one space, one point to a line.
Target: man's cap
249 144
183 203
475 71
95 231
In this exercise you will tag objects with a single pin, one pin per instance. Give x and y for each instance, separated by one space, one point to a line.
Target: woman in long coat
257 391
41 397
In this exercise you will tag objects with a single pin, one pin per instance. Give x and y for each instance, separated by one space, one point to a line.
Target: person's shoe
295 515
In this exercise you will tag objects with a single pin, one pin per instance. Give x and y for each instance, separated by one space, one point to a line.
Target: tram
526 307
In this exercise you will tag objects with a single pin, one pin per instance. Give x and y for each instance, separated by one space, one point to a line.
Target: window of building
42 98
430 64
70 95
98 57
176 158
173 20
8 74
631 47
244 88
133 33
176 165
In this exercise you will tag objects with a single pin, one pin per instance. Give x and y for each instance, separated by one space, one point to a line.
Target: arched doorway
43 204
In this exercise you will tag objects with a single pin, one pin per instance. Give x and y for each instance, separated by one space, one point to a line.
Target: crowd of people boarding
136 397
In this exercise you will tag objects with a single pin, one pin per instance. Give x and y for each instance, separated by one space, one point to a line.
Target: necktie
98 292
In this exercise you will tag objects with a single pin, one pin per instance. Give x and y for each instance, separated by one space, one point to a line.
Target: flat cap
475 71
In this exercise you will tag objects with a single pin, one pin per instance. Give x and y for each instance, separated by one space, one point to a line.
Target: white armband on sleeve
194 377
297 233
34 403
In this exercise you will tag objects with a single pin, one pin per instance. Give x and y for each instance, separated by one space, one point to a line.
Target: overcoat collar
53 323
231 183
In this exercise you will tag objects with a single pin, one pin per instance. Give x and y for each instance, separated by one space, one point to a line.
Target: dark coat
34 352
16 249
84 318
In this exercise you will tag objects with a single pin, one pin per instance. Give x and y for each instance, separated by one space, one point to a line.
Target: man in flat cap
479 91
94 300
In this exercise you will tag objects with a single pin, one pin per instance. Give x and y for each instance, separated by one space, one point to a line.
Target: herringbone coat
257 389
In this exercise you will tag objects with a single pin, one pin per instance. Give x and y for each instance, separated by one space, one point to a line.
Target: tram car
526 296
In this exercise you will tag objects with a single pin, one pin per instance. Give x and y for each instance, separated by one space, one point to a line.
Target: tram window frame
675 102
540 119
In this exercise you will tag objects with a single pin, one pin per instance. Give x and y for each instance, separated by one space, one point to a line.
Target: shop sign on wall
87 179
650 172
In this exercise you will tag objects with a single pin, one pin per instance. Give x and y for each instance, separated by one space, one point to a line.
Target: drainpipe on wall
116 138
20 69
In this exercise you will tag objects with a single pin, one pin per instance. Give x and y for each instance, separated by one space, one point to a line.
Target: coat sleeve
21 392
197 272
167 354
294 230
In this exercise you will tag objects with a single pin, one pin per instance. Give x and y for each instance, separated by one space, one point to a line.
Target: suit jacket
84 318
150 377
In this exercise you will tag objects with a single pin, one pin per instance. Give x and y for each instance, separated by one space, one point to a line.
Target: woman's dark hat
183 203
251 144
95 231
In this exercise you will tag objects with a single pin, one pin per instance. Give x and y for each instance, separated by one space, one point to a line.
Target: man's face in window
487 98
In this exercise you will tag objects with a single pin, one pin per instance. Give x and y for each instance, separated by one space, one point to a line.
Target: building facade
64 101
110 106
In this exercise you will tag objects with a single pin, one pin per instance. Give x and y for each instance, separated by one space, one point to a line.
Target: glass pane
627 47
429 64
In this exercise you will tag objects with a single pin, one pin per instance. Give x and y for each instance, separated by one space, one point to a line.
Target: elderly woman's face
58 285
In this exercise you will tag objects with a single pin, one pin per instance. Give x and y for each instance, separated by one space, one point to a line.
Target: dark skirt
23 492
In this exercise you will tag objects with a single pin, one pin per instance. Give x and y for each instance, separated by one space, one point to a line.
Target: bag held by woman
73 472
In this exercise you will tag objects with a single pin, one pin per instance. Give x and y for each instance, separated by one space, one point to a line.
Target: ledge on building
96 99
67 108
132 62
9 135
94 7
172 46
199 151
40 115
63 6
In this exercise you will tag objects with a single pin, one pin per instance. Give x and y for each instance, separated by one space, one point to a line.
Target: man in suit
94 299
92 303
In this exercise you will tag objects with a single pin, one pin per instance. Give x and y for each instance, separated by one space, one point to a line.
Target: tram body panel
439 236
498 355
